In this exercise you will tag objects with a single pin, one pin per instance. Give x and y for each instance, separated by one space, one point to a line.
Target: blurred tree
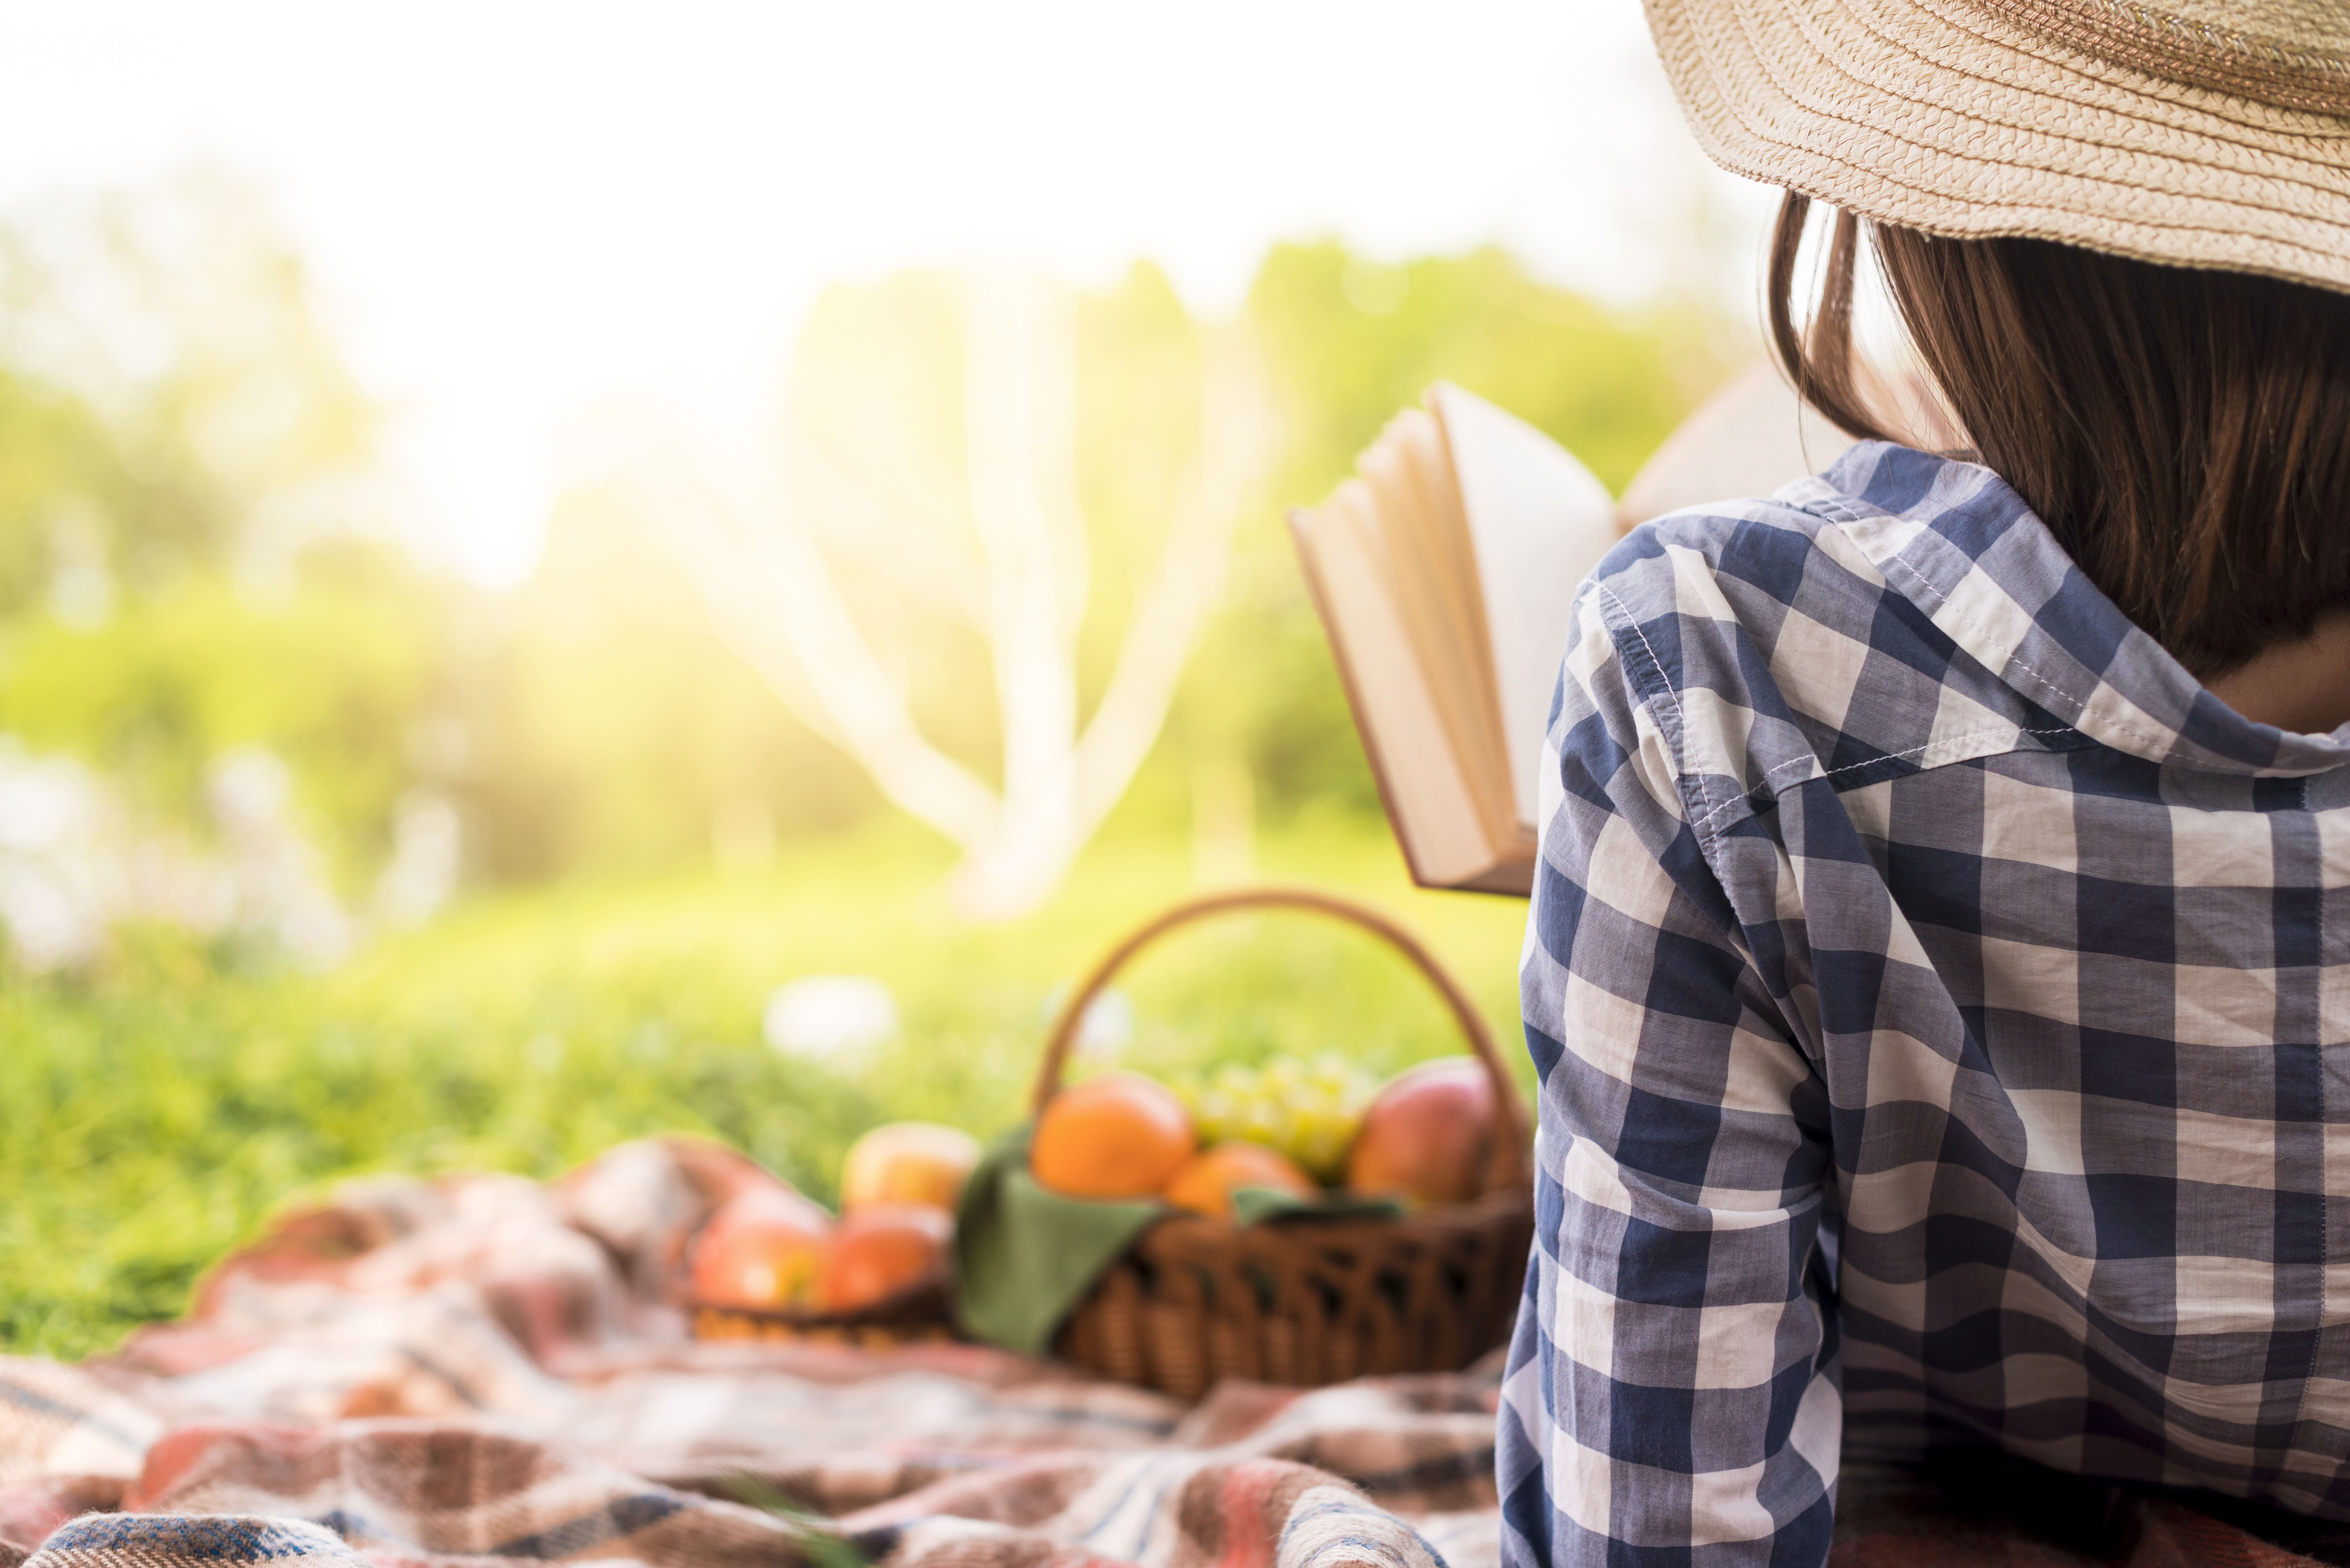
605 725
172 400
61 476
1005 521
619 721
942 466
337 676
191 555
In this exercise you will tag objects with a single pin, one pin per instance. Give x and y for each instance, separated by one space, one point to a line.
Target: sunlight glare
518 209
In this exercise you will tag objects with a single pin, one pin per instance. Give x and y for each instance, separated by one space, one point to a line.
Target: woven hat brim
1934 115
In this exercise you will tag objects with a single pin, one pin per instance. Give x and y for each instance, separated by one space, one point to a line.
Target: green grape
1308 1111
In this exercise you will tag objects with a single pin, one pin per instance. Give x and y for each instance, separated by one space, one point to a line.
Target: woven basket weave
918 1314
1306 1300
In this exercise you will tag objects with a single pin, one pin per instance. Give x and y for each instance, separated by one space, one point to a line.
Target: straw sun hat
2211 133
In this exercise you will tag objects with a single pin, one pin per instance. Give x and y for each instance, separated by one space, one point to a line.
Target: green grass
156 1115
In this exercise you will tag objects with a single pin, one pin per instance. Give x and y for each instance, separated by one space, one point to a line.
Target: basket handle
1508 1167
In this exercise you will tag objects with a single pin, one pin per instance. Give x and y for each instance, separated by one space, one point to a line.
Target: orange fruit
763 1248
908 1162
880 1249
1117 1136
1208 1178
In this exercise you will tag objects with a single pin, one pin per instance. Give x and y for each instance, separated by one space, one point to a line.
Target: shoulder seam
1672 698
1947 742
1711 812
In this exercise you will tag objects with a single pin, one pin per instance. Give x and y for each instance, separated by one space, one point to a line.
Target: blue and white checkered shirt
1942 1008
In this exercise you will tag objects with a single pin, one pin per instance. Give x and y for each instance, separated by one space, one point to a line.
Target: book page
1429 794
1755 435
1747 440
1429 564
1538 522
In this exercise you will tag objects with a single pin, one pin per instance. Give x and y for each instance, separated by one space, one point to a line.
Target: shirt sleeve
1673 1390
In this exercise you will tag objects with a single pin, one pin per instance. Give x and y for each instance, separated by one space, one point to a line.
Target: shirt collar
1955 540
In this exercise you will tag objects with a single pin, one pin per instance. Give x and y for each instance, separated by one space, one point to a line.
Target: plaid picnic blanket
482 1372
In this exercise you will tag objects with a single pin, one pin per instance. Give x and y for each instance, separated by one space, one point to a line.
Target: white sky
520 209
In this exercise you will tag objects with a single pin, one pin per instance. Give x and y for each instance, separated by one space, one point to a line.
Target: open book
1444 571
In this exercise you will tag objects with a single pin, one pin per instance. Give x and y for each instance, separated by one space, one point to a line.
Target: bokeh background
569 571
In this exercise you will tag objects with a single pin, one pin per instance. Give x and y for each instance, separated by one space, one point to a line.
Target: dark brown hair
2185 435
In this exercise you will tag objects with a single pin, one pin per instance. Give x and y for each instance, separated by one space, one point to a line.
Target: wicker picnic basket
919 1315
1306 1300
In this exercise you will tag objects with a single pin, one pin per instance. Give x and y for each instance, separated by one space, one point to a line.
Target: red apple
883 1249
1428 1136
763 1248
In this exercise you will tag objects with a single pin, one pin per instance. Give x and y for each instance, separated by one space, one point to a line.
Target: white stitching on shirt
1764 782
2080 707
1680 719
